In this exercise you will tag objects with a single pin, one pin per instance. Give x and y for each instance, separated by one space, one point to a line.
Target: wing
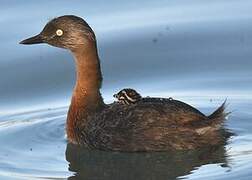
153 125
149 114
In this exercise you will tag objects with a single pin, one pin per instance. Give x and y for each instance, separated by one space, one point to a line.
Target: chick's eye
59 32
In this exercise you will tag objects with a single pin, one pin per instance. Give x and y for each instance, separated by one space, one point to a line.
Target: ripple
33 144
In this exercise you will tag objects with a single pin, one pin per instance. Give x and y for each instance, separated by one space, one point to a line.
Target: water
193 50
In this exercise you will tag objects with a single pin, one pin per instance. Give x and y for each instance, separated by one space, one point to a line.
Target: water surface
192 50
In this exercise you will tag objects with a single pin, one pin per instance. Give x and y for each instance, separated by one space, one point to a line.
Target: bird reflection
102 165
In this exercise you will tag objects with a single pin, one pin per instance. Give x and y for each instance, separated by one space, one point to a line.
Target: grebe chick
143 126
131 96
128 96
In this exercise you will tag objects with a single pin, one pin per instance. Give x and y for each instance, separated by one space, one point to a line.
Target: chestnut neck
86 98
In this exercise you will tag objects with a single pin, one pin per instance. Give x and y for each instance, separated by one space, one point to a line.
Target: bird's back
152 125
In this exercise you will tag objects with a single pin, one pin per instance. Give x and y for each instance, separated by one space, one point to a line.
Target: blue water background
196 51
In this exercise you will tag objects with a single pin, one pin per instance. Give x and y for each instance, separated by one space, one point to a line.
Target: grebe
144 126
128 96
131 96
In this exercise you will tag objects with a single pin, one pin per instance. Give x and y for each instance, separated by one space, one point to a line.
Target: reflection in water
90 164
192 50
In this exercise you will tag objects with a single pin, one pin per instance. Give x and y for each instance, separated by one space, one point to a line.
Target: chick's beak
33 40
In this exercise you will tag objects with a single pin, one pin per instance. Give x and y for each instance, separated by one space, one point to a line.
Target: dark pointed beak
33 40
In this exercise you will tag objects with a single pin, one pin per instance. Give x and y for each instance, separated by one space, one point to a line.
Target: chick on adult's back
154 125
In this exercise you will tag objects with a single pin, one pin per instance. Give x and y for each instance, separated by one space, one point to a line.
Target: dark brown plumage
149 125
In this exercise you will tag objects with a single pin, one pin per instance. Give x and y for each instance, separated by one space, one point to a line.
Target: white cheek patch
129 98
121 98
59 32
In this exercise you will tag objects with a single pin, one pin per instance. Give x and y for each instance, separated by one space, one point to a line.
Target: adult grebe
143 126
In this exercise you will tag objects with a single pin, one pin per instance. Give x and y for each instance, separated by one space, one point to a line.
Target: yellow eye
59 32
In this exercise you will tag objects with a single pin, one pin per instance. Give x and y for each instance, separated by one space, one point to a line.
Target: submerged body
149 125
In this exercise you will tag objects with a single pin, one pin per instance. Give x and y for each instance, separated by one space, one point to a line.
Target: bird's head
69 32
